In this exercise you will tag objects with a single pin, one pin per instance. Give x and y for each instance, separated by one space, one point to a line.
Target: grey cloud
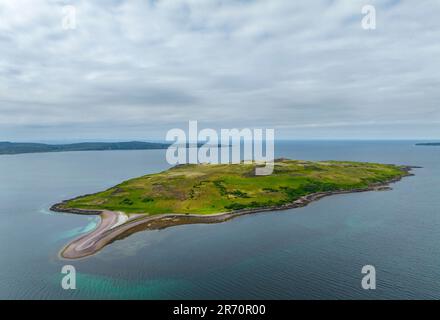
138 68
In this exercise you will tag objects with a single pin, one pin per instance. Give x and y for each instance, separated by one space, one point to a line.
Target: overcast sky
135 69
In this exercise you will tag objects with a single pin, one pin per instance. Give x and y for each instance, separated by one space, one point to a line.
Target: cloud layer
134 69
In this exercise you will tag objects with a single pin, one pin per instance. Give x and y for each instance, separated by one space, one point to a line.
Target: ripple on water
93 222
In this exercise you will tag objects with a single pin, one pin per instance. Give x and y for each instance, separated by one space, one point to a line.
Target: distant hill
16 148
428 144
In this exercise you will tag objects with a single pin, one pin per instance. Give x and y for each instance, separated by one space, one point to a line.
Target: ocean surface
315 252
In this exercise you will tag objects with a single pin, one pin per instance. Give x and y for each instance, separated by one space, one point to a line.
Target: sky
132 70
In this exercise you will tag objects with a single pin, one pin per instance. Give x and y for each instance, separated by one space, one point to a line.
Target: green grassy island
207 189
207 193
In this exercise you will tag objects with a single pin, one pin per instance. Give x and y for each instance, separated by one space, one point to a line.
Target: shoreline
116 225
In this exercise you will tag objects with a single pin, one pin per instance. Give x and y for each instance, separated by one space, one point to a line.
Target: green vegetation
207 189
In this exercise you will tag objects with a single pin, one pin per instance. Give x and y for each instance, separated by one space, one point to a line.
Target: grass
207 189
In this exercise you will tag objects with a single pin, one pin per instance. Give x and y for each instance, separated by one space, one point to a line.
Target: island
26 147
432 144
211 193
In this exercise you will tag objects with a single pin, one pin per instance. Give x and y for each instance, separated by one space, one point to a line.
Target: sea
314 252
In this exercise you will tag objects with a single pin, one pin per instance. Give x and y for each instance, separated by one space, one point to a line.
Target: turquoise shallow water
315 252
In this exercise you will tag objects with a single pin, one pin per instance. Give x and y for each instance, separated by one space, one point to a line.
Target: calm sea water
315 252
